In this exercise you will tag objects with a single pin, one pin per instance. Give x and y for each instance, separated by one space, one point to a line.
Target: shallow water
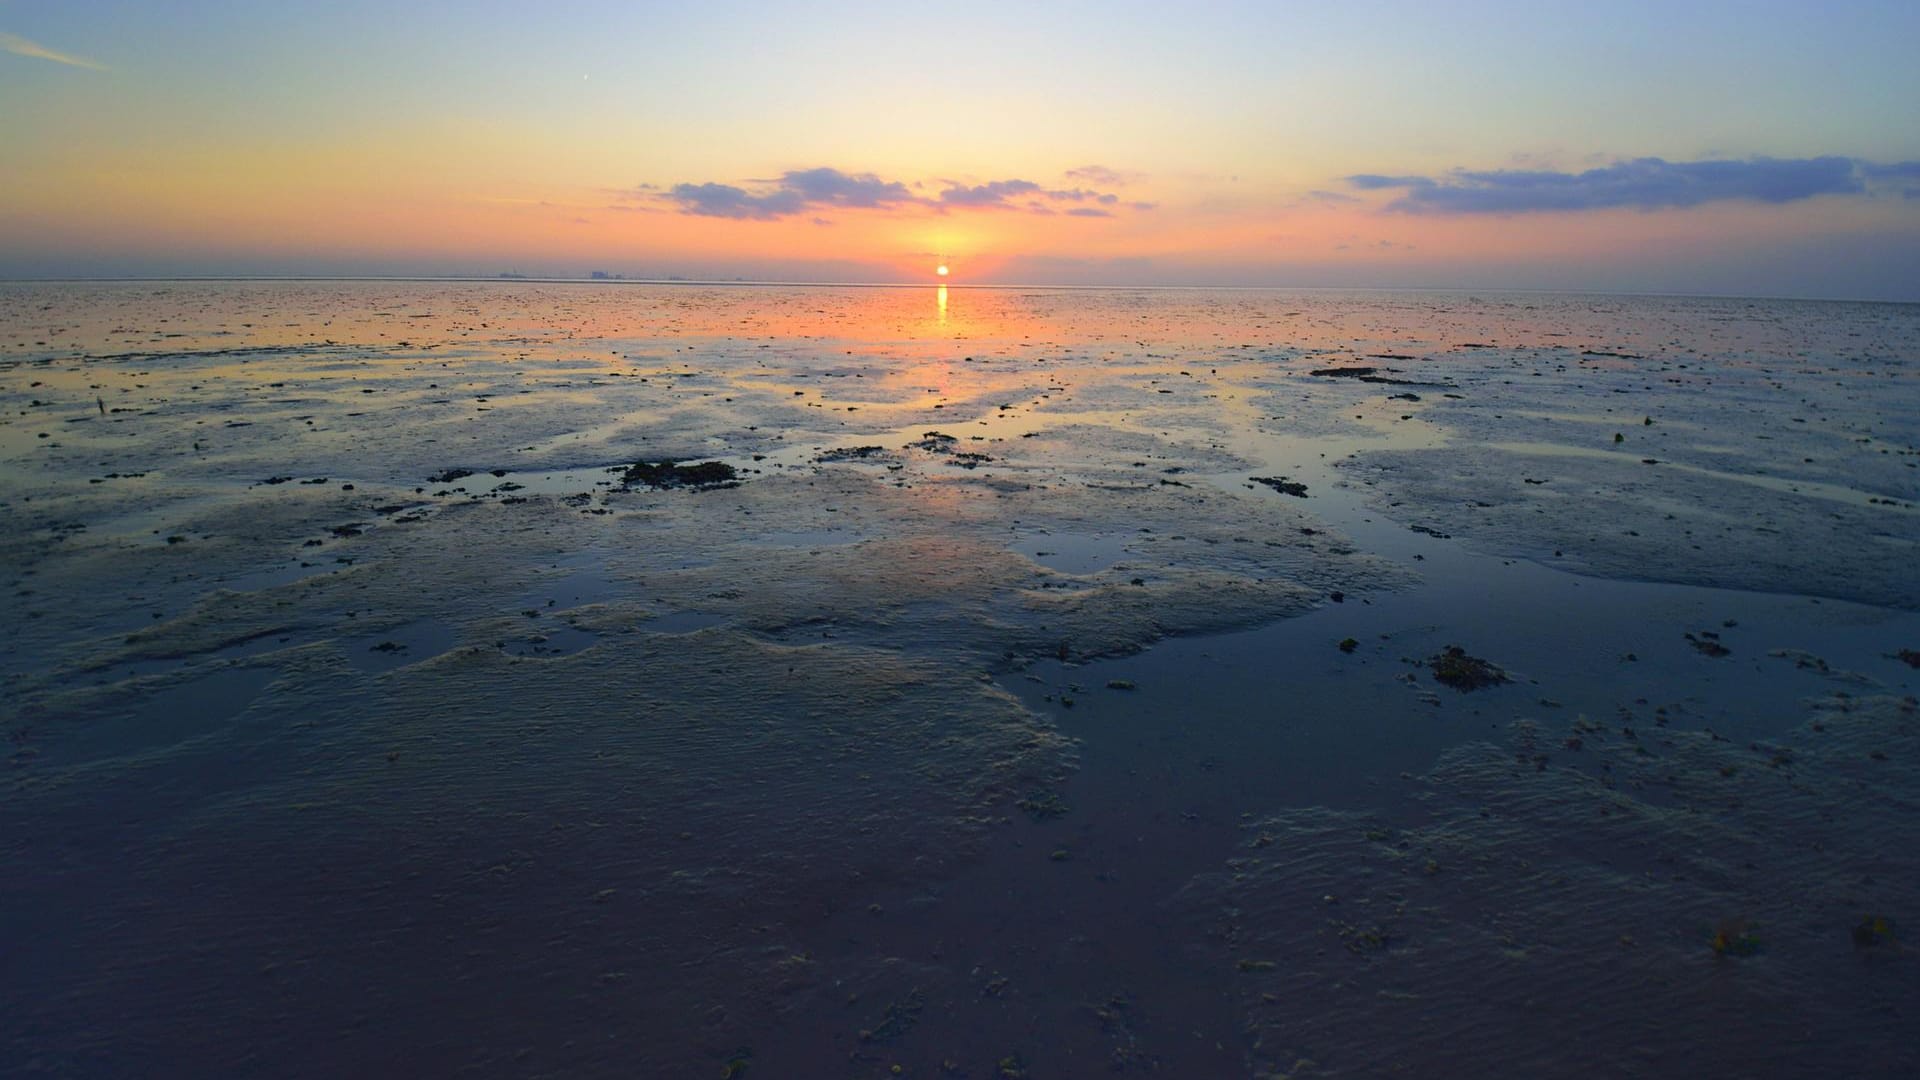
997 722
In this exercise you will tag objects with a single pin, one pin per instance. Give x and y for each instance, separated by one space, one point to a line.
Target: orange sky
1111 143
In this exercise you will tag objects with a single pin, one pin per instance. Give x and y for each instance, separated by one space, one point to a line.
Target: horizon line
532 279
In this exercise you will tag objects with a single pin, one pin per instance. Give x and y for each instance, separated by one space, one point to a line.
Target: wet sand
1049 691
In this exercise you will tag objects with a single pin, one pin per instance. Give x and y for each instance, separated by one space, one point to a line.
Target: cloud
806 191
992 194
727 201
1082 195
20 46
1895 170
834 188
796 191
1103 176
999 195
1374 181
1641 183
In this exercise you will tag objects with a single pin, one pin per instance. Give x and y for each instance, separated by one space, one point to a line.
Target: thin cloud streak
802 191
20 46
1100 174
993 194
1648 183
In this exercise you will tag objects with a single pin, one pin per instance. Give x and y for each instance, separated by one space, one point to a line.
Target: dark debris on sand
934 442
853 453
1708 643
1282 485
1364 374
700 476
1453 667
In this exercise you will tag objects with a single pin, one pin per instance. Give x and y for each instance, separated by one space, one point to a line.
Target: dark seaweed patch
1734 937
853 453
1282 485
1708 643
1872 931
1043 805
900 1018
701 476
934 442
1453 667
1363 374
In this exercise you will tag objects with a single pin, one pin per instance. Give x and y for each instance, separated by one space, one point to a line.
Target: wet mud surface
568 680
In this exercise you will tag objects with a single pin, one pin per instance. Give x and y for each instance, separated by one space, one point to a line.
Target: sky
1749 148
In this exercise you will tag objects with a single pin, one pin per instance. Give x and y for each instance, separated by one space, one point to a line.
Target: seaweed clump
1283 485
1364 374
700 476
1734 937
1872 931
852 453
1453 667
900 1018
934 442
1708 644
1043 805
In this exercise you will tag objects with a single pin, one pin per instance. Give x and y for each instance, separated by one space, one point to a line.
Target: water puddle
406 644
683 622
162 718
285 574
265 643
1073 553
552 640
810 539
573 581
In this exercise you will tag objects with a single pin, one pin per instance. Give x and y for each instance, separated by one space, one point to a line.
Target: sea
519 678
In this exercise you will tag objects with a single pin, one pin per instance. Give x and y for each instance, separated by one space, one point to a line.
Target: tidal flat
564 679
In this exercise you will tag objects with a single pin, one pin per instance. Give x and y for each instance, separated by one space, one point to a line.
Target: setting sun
941 270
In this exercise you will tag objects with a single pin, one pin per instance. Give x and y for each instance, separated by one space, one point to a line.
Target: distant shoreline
977 286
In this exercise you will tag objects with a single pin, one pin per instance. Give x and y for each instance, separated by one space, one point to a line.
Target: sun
941 269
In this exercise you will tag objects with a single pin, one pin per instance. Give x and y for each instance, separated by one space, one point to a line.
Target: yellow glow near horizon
941 270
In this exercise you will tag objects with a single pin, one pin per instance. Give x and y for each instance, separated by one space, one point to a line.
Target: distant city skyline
1717 148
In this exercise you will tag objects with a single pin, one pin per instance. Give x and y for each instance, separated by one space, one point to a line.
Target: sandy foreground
1043 683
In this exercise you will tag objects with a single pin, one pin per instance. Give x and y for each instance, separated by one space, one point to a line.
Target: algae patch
1453 667
696 476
